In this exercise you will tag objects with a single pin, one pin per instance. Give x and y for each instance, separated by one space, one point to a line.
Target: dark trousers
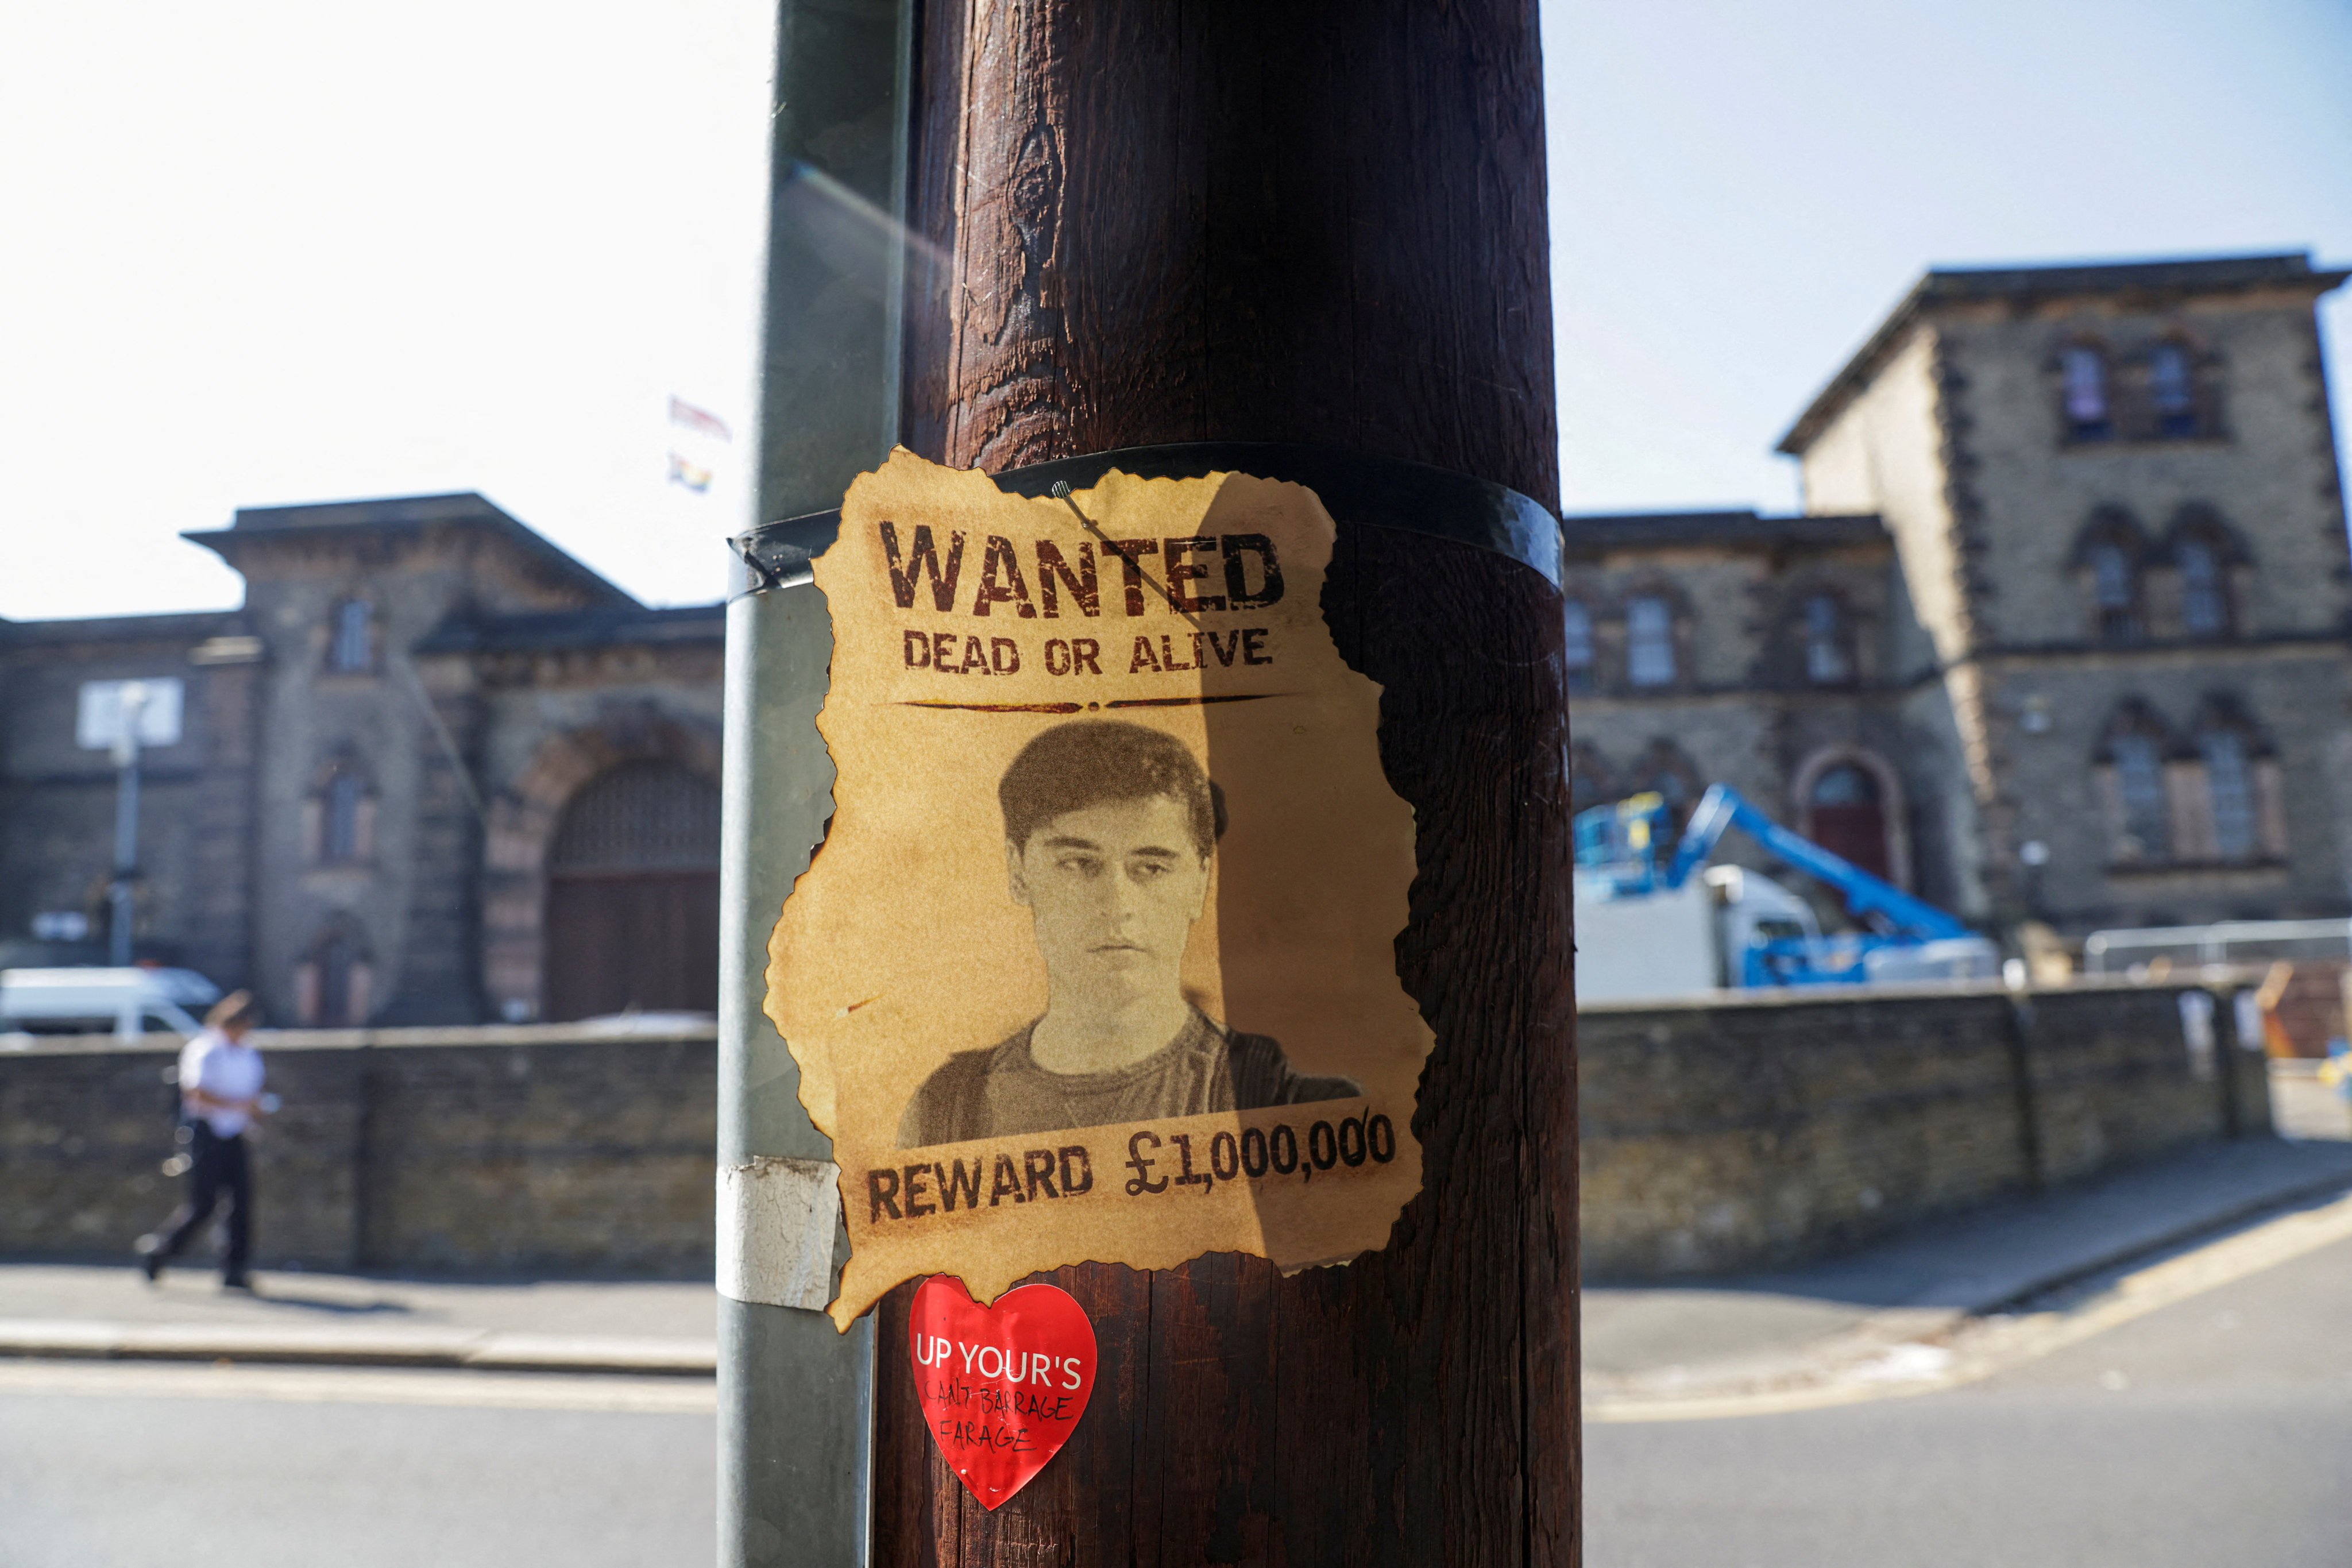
219 1171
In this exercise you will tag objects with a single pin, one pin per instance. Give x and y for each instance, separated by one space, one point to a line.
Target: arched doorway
633 895
1847 816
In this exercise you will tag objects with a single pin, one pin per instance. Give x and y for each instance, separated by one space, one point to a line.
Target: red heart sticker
1003 1386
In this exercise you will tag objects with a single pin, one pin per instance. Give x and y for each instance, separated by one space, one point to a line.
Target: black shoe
237 1281
150 1263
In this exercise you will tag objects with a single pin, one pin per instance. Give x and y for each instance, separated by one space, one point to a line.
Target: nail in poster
1096 960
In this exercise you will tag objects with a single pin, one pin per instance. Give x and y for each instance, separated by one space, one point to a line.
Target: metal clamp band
1355 488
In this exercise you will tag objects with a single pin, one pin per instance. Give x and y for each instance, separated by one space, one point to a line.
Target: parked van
126 1002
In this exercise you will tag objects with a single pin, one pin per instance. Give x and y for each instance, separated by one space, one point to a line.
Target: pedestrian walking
220 1094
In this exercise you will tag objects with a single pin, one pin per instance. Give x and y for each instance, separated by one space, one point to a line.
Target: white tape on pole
777 1220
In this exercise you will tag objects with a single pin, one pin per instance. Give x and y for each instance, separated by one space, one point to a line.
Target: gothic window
2107 556
1829 661
2146 828
1649 640
1579 659
335 983
338 816
350 648
2115 589
2172 391
2204 600
2233 806
2229 794
2089 414
2204 550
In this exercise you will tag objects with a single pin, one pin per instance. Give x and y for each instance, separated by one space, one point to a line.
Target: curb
2333 1184
475 1351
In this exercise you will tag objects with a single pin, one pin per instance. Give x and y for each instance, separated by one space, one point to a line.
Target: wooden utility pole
1270 220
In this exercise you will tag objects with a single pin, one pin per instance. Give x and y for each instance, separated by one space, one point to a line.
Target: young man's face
1114 889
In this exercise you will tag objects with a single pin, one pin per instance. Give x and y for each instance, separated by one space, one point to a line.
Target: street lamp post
121 892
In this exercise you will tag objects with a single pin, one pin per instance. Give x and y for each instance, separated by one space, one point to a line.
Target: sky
262 251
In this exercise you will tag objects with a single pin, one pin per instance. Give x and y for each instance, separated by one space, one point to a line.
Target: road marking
345 1386
1995 1345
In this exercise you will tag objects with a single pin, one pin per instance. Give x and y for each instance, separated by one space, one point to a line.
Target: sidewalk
1644 1345
593 1326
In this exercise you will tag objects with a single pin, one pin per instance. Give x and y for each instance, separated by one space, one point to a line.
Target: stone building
434 771
2063 632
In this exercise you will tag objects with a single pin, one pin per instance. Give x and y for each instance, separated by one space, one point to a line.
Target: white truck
126 1003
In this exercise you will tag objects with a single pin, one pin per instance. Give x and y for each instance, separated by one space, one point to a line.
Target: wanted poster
1096 962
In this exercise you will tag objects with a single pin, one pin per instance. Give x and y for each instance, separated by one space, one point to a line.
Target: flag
692 476
681 412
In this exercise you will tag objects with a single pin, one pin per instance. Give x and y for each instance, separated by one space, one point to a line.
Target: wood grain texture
1278 221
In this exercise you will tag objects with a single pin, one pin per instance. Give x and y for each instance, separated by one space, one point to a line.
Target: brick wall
491 1149
1724 1135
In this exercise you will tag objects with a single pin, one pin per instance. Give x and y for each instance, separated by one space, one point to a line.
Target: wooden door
633 896
1846 818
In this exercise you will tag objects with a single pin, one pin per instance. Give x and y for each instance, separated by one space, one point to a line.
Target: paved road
2216 1430
128 1467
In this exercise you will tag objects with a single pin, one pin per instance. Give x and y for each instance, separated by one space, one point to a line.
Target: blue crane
1620 845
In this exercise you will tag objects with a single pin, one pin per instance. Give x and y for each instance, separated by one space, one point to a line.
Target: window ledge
2269 868
2076 443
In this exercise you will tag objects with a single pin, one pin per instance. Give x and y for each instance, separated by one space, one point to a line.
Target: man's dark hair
1072 766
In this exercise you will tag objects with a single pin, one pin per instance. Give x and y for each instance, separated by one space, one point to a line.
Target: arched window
2172 391
2146 827
350 648
2204 598
2114 591
338 816
2229 794
334 985
2089 415
1649 640
2234 809
2203 552
341 838
1829 661
1578 620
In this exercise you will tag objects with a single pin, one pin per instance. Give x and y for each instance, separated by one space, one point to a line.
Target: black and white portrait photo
1110 829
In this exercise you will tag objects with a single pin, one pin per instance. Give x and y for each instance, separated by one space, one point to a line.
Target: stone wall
482 1148
1721 1135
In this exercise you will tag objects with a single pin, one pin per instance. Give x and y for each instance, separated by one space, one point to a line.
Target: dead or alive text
1173 1163
1069 578
959 653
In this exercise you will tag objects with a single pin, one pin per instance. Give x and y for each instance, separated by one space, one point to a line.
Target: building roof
409 514
181 626
2155 280
1588 536
605 627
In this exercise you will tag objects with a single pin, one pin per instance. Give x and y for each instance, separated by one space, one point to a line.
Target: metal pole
795 1427
119 893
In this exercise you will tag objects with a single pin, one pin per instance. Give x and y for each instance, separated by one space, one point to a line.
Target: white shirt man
220 1081
220 1094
